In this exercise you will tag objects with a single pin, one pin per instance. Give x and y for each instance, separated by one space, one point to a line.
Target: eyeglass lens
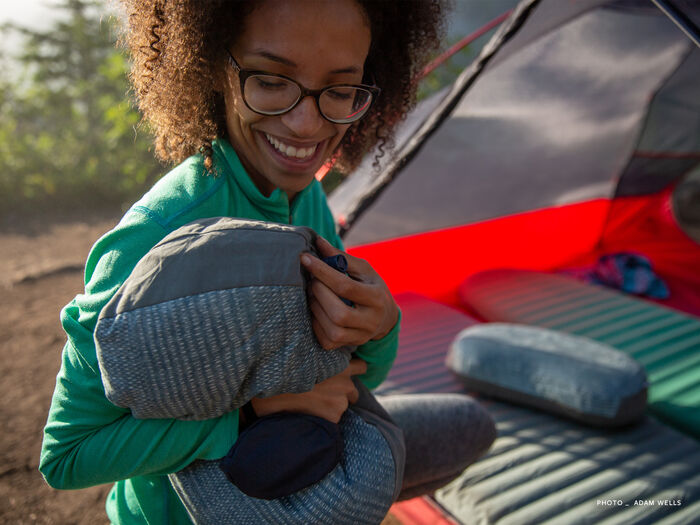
275 95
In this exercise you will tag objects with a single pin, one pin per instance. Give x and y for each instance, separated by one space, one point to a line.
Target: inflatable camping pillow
568 375
214 315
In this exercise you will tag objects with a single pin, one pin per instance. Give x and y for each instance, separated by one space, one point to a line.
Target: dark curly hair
176 44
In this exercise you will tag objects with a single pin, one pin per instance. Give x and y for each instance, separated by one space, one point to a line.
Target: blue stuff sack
282 453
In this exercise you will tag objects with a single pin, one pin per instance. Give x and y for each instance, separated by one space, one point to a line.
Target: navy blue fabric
340 263
282 453
629 272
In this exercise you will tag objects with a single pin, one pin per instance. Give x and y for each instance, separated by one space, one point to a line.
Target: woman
255 97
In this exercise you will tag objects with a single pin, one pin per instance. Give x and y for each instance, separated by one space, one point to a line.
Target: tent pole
443 57
679 18
413 145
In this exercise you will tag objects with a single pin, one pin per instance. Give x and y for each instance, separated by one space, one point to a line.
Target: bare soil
41 270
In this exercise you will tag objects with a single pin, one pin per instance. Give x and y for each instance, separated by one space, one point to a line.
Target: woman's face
315 42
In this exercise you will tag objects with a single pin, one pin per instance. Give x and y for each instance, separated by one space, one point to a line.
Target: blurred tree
67 127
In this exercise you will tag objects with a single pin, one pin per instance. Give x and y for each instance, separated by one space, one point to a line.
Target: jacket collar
277 203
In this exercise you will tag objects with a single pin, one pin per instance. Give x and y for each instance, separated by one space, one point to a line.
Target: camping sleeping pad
544 469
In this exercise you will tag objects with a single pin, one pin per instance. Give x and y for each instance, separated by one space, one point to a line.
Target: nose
304 120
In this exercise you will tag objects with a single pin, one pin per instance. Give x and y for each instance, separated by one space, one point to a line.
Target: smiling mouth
291 151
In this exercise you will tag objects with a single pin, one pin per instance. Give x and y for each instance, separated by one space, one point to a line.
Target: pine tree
68 130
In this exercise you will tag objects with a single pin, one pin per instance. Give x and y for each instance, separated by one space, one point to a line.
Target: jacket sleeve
379 356
88 440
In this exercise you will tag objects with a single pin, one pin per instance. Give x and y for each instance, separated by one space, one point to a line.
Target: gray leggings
444 434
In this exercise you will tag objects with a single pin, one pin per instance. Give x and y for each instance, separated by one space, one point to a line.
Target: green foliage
331 181
67 127
442 76
447 72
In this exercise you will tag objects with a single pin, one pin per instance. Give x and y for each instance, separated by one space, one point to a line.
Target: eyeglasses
270 94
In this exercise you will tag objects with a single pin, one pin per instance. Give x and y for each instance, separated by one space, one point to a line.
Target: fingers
351 393
326 249
329 334
353 396
338 312
328 399
331 398
341 284
357 367
358 269
351 287
373 314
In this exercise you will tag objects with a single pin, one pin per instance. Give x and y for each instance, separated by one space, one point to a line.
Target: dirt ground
41 269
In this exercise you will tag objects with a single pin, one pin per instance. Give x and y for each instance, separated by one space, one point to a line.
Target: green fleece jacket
87 439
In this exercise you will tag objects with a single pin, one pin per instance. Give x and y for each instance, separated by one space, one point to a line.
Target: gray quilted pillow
568 375
214 315
213 303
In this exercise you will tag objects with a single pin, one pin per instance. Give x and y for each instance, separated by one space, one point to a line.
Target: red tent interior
550 239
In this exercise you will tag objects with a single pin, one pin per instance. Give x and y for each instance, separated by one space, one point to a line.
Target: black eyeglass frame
244 74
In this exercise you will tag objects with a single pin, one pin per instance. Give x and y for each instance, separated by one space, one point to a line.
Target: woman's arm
328 399
89 441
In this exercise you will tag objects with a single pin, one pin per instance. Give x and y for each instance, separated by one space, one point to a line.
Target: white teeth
290 151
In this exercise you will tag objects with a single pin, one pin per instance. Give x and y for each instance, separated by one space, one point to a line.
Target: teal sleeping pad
544 469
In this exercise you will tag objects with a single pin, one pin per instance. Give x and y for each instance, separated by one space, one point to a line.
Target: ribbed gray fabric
228 345
166 340
209 343
355 492
550 370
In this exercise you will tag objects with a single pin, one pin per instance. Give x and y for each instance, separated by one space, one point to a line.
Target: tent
574 135
590 103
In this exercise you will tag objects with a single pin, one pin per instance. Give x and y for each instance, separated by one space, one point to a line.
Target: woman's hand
328 399
336 324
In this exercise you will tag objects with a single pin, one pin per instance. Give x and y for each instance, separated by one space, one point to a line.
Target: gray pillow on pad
214 315
568 375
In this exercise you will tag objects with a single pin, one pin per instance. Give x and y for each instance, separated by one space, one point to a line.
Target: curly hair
175 46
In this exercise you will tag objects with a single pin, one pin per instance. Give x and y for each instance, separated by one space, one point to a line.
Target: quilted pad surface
543 469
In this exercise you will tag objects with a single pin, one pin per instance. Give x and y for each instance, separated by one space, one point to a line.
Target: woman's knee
444 433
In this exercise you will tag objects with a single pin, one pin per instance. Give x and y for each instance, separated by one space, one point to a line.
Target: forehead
333 33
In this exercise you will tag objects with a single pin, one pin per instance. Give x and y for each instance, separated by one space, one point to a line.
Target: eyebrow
285 61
